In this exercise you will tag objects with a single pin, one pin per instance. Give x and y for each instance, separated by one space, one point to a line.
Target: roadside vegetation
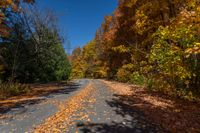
147 50
31 47
9 89
147 42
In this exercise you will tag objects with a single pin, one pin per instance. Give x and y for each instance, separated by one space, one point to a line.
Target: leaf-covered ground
94 109
173 115
23 113
104 107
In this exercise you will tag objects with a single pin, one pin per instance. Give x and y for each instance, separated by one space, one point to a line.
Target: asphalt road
105 115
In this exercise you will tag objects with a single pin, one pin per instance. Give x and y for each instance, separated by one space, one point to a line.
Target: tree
5 7
77 64
176 52
148 41
34 51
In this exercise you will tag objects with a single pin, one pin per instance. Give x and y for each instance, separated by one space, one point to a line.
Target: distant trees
155 42
85 62
77 64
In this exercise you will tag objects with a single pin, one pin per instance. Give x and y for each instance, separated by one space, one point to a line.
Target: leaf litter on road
67 116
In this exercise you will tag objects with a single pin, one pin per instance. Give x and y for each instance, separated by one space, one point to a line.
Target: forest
31 47
154 43
148 42
138 73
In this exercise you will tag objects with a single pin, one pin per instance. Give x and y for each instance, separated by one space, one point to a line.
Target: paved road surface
104 115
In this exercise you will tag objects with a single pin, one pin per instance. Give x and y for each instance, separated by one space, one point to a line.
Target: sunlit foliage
150 42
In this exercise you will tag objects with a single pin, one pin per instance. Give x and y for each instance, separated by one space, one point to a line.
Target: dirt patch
174 115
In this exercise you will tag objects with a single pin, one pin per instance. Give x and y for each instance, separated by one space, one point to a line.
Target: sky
79 19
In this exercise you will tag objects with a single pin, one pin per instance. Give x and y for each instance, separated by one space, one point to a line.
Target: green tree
34 51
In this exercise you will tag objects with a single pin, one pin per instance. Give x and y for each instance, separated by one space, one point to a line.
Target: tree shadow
64 88
41 95
134 120
150 112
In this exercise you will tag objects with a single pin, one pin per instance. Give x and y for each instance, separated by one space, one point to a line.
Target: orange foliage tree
5 6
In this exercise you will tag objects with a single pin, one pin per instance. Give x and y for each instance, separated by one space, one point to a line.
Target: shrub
12 89
137 78
124 73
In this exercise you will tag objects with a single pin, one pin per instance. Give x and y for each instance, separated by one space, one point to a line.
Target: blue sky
79 19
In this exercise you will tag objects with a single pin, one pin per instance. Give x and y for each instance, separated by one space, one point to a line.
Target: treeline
151 42
31 48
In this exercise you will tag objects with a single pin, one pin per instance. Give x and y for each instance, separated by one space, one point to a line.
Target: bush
136 78
124 73
12 89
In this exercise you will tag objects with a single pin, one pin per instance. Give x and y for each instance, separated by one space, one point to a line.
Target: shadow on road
147 111
123 106
39 96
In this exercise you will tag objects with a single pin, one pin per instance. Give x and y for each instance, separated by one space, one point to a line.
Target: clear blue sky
79 19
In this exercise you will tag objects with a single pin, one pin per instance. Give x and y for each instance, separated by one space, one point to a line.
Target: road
89 106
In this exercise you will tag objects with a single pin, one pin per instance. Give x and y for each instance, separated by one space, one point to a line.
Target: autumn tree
78 67
151 42
7 6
